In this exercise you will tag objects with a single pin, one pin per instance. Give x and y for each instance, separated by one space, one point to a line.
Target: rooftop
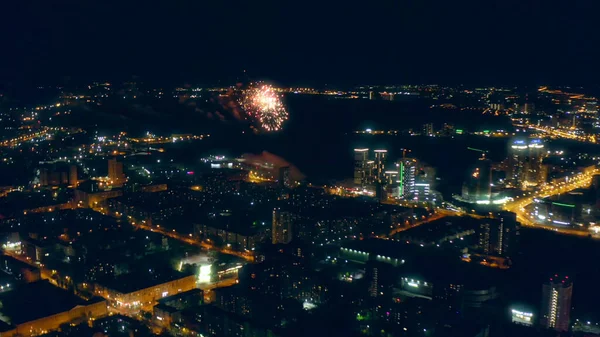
183 295
429 263
387 248
142 279
242 222
156 201
437 230
10 264
165 308
32 301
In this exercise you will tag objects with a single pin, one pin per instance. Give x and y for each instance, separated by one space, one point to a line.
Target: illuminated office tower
422 189
408 175
425 176
556 303
281 231
361 157
380 158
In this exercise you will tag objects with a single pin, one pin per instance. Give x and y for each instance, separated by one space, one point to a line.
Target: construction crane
477 150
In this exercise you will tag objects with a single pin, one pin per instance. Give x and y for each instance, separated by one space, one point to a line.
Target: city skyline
287 169
184 213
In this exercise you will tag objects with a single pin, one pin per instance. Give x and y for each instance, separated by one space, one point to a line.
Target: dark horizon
474 43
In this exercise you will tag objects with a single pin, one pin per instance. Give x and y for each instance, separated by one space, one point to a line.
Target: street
518 206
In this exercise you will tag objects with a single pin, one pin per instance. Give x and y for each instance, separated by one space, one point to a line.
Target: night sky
304 42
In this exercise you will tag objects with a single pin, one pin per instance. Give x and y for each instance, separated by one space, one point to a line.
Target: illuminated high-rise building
528 108
516 161
380 191
428 129
422 190
425 176
596 189
43 173
281 230
498 235
73 180
536 172
373 95
407 176
115 172
508 230
448 129
361 157
485 236
478 187
386 96
54 175
370 172
391 177
392 183
284 179
372 273
380 158
496 106
525 165
556 303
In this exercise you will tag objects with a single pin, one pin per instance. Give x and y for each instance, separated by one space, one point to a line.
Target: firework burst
263 104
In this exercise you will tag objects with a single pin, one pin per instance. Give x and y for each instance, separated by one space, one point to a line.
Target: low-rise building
136 290
39 307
